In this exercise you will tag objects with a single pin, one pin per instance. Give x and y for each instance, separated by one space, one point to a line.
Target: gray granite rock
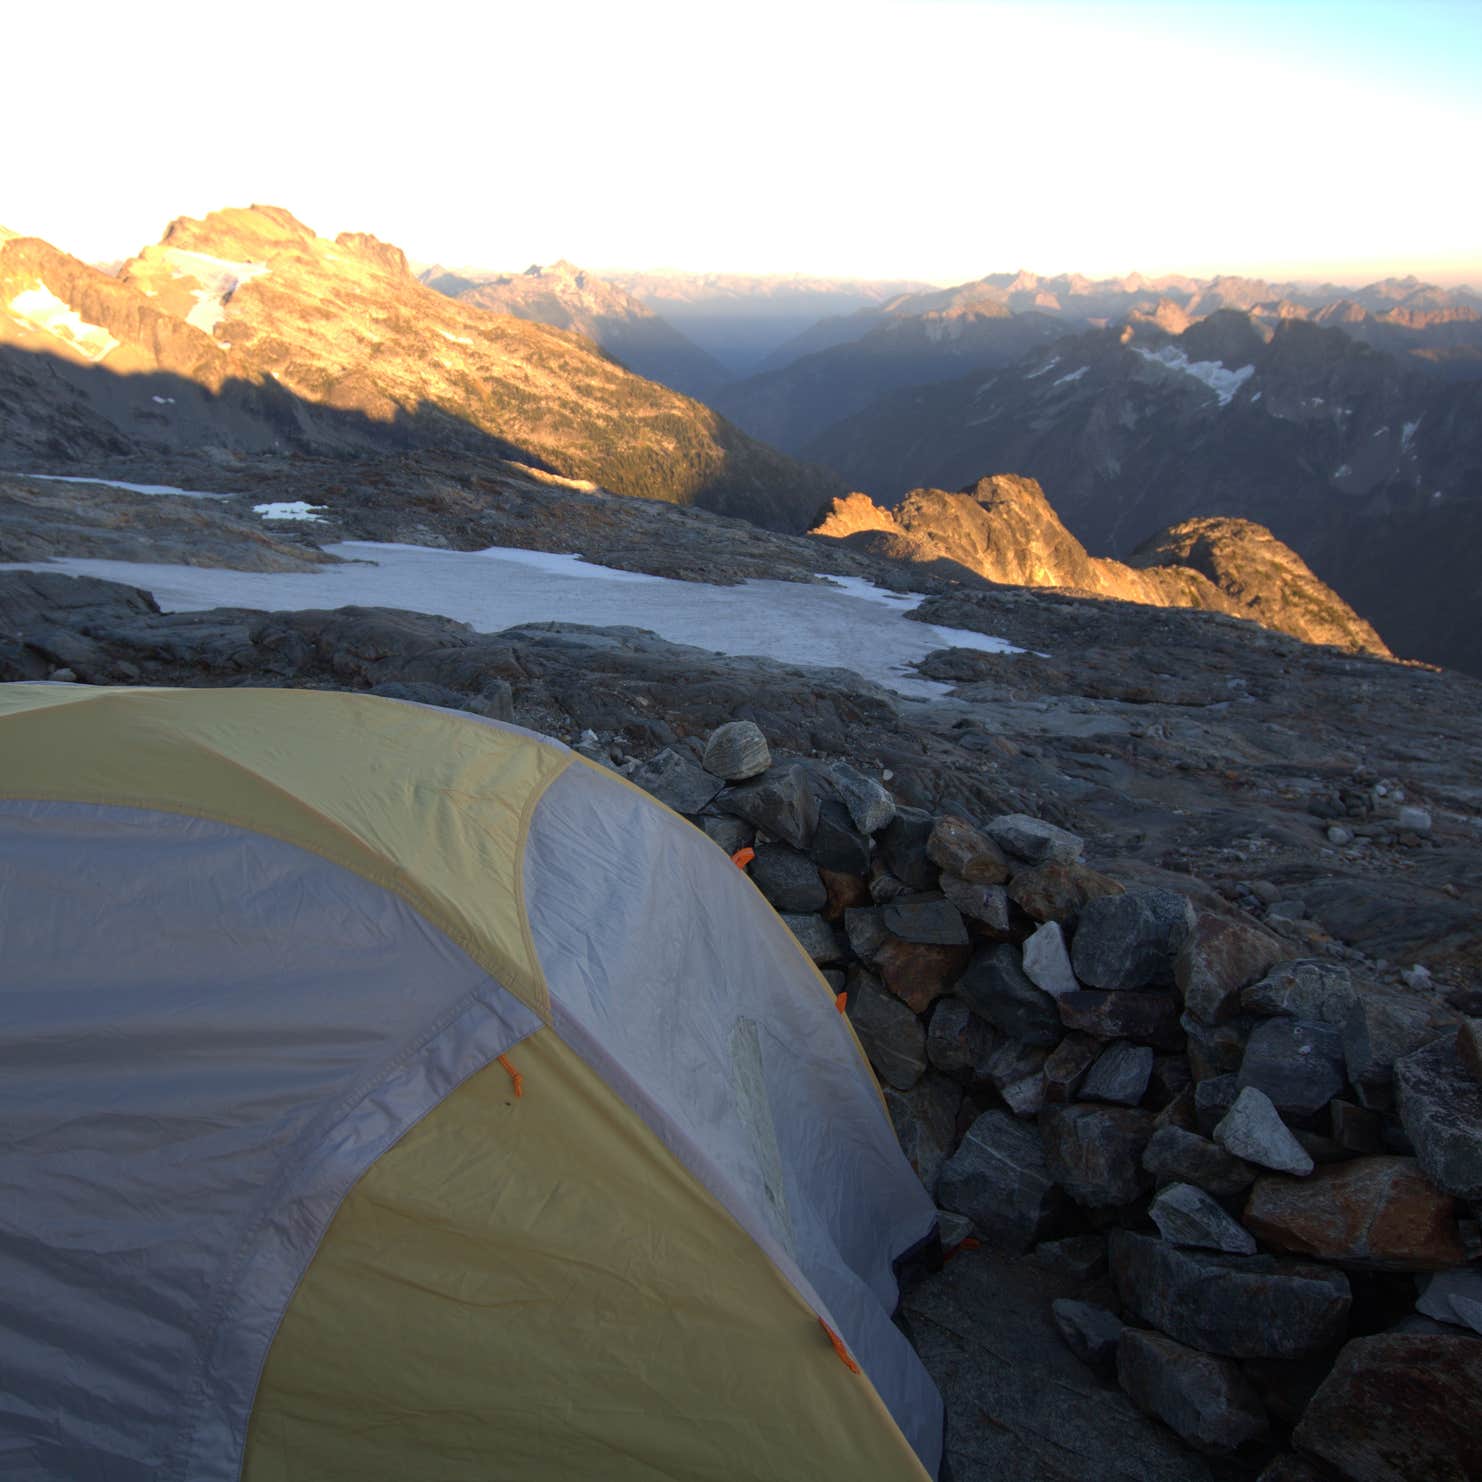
988 904
1310 988
869 805
1217 960
676 781
736 751
926 921
788 879
1080 1256
1120 1075
1206 1400
1131 940
997 989
1090 1332
783 802
1032 839
1144 1018
1252 1129
1453 1297
1297 1063
902 846
925 1121
891 1034
1440 1106
957 1040
1016 1072
1095 1152
1469 1047
1177 1155
1067 1064
815 936
1216 1049
1047 963
1213 1098
837 845
998 1178
729 833
1381 1029
957 848
1186 1215
865 928
1399 1407
1236 1306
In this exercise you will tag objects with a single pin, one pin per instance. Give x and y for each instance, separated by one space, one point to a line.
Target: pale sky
929 139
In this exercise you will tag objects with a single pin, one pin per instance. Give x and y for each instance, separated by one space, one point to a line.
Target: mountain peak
238 233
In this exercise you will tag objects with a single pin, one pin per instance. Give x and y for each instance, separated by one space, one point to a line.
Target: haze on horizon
935 140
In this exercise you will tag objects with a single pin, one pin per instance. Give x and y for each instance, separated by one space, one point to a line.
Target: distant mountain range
247 333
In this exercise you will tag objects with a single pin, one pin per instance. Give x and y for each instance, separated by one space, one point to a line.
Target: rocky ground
1162 937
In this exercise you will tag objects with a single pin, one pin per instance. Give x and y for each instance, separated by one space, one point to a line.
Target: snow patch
455 339
1342 473
1049 365
219 279
163 401
41 308
1221 380
311 514
57 478
1070 376
845 624
1408 431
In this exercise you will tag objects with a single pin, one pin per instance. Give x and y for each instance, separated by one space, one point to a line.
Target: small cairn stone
1252 1129
737 751
1185 1215
1032 839
1047 963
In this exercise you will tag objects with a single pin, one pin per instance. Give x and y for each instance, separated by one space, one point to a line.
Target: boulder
986 904
996 988
1120 1075
1067 1064
1144 1018
1252 1129
958 849
782 803
902 845
1207 1400
1217 959
1213 1098
1297 1063
1047 963
1381 1029
998 1178
956 1039
918 973
844 893
837 844
1355 1129
865 928
1095 1152
1175 1154
1310 988
788 879
815 936
676 781
925 1121
1016 1072
1216 1049
1090 1332
728 832
1399 1407
1440 1107
737 751
1236 1306
931 920
1185 1215
1082 1257
870 807
1380 1213
1032 839
1057 889
890 1033
1453 1298
1131 940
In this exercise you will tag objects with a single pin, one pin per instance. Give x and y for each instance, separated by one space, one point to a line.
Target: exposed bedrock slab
1297 1063
998 990
1218 958
1207 1400
1237 1306
998 1178
1381 1213
1131 940
1440 1106
1399 1407
1095 1152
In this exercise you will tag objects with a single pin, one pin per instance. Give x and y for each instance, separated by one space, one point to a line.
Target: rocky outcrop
1003 528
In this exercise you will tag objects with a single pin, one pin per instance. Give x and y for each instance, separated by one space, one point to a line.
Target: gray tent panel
206 1037
696 1005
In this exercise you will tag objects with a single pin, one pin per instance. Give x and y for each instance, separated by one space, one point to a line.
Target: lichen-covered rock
869 805
1310 988
1381 1213
1207 1400
1057 889
1131 940
736 751
1399 1407
919 973
959 849
998 1178
1237 1306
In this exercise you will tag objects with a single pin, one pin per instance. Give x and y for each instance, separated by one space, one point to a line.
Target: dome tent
388 1093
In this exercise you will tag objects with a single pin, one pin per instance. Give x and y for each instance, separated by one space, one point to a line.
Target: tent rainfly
391 1094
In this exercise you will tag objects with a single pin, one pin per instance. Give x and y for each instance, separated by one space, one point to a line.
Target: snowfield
1219 378
41 309
847 624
